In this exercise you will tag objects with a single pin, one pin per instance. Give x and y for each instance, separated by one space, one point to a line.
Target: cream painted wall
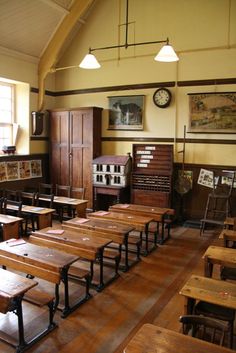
203 32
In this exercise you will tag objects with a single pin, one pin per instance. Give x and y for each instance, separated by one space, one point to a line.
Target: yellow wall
203 32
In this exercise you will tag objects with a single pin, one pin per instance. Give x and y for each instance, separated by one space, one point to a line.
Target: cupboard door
59 135
82 141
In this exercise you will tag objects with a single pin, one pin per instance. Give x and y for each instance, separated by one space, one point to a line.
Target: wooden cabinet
75 140
151 182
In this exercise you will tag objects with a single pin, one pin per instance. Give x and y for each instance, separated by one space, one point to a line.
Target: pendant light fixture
166 54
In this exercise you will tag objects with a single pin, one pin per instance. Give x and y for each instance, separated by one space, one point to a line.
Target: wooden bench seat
38 297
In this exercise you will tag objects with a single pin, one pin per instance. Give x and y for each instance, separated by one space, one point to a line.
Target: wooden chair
11 194
77 193
45 188
28 198
13 208
47 202
217 312
228 273
204 328
218 205
62 190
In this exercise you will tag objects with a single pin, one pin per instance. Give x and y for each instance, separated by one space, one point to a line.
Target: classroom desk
218 255
154 339
43 215
86 246
12 290
46 263
10 226
140 223
208 290
117 232
78 204
157 213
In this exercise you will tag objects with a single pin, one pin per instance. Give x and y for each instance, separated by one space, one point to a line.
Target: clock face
162 97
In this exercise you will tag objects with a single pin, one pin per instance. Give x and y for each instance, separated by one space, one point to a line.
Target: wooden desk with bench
12 290
10 226
209 290
218 255
155 339
158 214
140 223
45 263
117 232
78 243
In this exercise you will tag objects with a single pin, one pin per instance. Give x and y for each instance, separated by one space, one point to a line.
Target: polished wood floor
148 292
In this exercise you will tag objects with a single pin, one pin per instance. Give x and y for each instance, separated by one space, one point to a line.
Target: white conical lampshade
89 62
166 54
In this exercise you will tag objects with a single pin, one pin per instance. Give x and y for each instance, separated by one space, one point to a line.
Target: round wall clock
162 97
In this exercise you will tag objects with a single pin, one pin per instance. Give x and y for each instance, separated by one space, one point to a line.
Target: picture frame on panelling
212 112
126 112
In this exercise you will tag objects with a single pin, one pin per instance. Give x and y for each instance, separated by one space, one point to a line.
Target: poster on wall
212 112
205 178
24 169
126 112
12 170
36 169
3 171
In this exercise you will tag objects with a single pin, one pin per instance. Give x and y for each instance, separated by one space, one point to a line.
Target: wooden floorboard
148 292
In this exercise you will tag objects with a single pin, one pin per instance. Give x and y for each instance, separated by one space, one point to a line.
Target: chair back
12 207
45 188
63 190
205 328
44 200
27 198
11 194
78 193
223 183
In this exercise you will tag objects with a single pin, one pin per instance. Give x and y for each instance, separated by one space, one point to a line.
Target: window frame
13 109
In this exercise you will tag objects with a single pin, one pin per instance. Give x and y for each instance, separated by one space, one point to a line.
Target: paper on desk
82 220
125 205
55 231
36 209
101 213
15 242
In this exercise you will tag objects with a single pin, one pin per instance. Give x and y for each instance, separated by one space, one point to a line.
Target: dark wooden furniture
75 140
119 193
218 205
212 298
151 181
218 255
204 328
155 339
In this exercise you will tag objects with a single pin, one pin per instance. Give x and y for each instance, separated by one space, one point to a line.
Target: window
7 94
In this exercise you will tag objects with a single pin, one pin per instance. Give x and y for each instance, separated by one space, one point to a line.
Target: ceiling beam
51 54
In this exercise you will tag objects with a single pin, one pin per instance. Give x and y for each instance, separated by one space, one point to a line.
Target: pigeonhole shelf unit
152 174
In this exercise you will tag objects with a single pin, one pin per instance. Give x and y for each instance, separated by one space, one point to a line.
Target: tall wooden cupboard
75 140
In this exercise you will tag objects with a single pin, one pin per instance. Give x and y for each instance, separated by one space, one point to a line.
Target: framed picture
126 112
212 112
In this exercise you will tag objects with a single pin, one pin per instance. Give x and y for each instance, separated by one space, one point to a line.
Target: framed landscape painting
212 112
126 112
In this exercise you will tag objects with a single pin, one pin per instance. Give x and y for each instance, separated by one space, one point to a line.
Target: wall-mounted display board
17 170
152 175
